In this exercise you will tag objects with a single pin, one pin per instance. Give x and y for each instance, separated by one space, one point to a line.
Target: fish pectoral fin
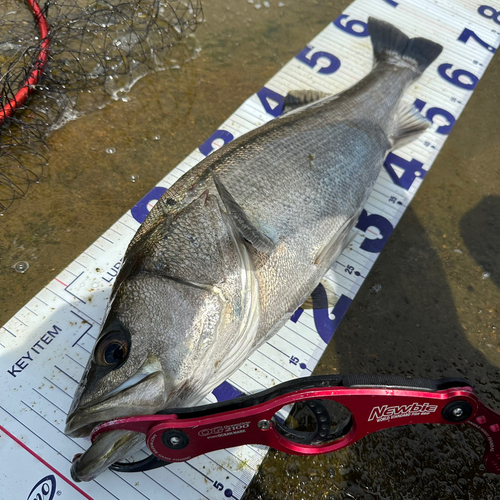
409 125
242 223
322 297
334 247
297 98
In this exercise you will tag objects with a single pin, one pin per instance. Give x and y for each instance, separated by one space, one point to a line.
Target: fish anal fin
334 247
409 125
298 98
244 226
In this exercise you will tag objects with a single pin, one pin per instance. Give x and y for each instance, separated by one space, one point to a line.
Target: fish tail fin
390 42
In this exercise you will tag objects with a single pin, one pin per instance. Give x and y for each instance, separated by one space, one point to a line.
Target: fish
238 243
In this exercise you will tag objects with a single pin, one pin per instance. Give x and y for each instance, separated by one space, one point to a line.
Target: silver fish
238 243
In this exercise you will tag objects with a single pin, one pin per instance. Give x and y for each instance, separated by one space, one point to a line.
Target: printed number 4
411 169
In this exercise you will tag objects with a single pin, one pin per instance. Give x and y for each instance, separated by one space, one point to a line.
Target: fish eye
112 349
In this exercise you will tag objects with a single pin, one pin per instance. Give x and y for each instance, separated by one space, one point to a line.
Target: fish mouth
109 448
147 396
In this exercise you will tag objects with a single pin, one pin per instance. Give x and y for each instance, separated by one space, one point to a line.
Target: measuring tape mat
45 346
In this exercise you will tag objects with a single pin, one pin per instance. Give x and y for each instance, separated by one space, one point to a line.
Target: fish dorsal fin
297 98
409 125
245 228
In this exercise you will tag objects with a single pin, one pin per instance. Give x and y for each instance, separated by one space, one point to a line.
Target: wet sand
437 313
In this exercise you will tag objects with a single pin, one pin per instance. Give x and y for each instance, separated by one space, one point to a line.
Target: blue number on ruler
494 14
296 315
432 112
348 27
206 148
226 391
140 211
392 3
266 95
467 33
326 323
412 169
227 493
455 76
313 60
381 223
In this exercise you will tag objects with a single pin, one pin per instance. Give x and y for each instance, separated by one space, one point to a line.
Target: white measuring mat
45 346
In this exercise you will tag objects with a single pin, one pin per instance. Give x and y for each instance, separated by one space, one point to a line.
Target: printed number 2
312 60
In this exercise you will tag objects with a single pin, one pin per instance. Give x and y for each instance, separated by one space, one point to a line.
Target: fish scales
238 243
301 178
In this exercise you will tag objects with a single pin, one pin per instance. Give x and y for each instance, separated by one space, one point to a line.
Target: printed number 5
312 60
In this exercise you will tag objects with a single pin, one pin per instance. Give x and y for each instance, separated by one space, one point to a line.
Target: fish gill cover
57 52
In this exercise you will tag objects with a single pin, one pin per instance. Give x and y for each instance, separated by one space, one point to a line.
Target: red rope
38 68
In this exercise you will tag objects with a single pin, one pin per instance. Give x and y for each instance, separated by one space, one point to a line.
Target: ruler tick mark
51 402
73 359
67 374
89 255
44 303
8 331
31 311
55 385
115 231
20 321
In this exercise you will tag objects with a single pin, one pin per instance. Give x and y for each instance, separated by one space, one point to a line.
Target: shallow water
437 312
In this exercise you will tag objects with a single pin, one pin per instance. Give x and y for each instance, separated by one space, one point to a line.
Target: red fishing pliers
336 411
